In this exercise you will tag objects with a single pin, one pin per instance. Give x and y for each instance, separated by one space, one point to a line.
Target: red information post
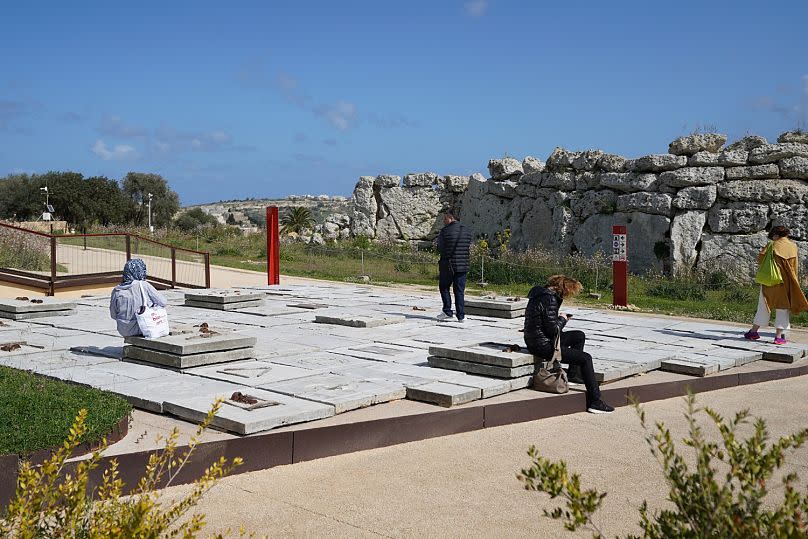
619 265
273 247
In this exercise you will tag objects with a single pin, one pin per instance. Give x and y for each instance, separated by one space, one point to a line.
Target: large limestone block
686 232
794 167
628 182
558 180
564 225
735 255
644 232
656 203
502 169
727 158
485 214
530 165
708 142
587 160
532 178
536 224
586 180
695 198
685 177
748 143
560 159
423 179
794 136
363 215
386 180
753 172
786 191
771 153
454 184
586 203
413 210
504 188
738 217
656 163
610 162
794 217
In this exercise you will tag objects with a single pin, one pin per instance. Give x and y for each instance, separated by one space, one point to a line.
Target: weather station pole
151 228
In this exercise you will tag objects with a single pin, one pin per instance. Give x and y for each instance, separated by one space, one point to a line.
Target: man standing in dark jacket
454 243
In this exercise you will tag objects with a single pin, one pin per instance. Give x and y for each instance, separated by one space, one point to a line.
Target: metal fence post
52 291
207 270
128 248
173 267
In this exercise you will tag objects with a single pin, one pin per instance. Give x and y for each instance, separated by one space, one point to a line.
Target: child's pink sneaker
780 340
751 335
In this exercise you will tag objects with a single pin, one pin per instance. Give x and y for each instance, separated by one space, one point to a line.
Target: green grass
36 412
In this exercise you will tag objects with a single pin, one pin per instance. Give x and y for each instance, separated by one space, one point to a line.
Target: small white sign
619 251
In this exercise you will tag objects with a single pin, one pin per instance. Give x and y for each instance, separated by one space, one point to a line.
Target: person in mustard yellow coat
784 298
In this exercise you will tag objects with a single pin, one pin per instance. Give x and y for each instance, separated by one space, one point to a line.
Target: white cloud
341 114
119 151
114 126
476 8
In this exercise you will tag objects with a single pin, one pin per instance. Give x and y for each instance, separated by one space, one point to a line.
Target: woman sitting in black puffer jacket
544 321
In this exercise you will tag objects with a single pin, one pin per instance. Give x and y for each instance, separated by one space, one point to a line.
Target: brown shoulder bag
550 377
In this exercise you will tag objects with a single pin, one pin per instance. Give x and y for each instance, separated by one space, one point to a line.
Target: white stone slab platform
357 321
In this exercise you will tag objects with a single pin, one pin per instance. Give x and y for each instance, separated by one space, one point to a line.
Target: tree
296 220
165 202
722 497
194 219
20 198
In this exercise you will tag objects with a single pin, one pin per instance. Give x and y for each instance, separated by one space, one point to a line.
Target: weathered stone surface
537 220
454 184
386 180
560 159
423 179
795 218
695 198
342 392
184 344
771 153
525 190
584 204
686 230
412 211
444 394
788 191
656 163
612 162
685 177
485 353
504 188
794 167
628 182
558 180
480 368
484 213
748 143
530 165
17 306
585 181
794 136
691 144
502 169
498 304
230 306
735 255
587 160
738 217
186 361
752 172
732 158
363 216
224 295
656 203
595 235
533 178
357 321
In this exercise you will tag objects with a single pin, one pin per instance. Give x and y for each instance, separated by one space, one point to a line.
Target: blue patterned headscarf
134 270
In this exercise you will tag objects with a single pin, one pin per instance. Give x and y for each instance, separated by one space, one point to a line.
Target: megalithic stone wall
701 206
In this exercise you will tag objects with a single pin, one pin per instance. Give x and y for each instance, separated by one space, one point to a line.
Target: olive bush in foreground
50 502
721 495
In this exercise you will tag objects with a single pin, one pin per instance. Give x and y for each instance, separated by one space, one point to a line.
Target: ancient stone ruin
702 206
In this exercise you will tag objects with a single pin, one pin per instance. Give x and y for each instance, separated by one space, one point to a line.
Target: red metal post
273 247
620 265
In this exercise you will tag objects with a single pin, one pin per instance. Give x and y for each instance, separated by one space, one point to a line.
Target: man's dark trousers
457 281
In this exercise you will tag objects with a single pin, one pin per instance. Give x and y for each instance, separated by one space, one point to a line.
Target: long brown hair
564 286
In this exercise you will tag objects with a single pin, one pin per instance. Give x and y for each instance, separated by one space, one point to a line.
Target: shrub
51 503
704 503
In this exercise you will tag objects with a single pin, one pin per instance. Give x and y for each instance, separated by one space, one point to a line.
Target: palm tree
296 220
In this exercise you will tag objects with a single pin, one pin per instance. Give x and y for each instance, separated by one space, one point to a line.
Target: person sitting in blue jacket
127 298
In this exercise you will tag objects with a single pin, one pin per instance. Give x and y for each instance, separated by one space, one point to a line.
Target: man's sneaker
780 340
751 335
461 320
599 407
443 317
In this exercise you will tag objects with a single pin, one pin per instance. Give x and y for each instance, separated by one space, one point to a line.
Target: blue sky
262 99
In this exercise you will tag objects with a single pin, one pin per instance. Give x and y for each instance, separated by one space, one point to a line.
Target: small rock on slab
444 394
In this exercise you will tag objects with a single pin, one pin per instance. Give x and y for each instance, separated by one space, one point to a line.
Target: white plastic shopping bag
153 320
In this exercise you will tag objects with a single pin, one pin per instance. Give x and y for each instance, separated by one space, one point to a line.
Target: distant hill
252 212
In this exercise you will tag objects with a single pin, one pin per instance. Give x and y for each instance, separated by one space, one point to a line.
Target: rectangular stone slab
151 394
490 387
231 306
496 304
485 353
358 321
683 366
186 361
308 305
192 343
318 361
35 314
252 373
48 304
287 411
521 383
480 368
606 371
382 352
444 394
343 392
782 353
477 311
223 296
